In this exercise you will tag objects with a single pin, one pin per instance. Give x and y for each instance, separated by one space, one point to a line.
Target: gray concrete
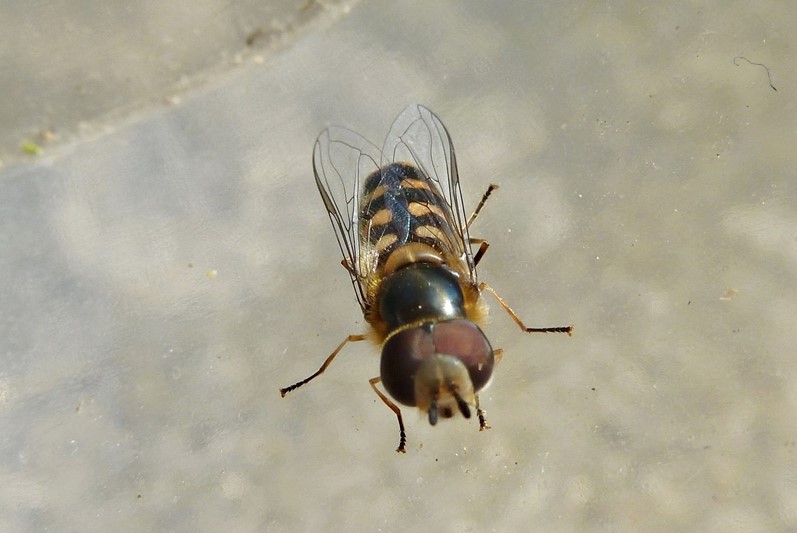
162 279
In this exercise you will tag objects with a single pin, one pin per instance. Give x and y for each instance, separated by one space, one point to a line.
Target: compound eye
402 354
464 340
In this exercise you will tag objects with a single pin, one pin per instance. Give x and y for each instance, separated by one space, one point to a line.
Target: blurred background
166 265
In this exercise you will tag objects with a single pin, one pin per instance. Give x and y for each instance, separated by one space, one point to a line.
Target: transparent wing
341 159
418 136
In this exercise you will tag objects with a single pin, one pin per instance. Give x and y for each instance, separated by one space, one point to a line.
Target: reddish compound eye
464 340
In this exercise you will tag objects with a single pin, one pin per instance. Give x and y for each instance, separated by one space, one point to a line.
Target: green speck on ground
30 147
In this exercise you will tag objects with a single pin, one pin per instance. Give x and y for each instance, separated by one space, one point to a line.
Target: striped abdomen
400 205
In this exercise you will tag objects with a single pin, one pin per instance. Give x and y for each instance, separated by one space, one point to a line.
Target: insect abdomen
401 206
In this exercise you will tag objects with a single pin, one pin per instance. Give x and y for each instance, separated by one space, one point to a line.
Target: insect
400 223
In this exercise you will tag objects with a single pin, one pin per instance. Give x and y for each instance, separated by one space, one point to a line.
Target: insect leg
482 419
483 245
350 338
346 263
395 409
558 329
487 194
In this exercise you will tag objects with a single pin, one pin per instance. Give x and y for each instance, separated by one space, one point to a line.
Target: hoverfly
400 223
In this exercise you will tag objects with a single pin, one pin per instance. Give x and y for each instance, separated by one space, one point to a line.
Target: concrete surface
161 280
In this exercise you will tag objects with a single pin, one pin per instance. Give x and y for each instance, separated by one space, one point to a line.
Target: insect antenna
433 411
462 404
